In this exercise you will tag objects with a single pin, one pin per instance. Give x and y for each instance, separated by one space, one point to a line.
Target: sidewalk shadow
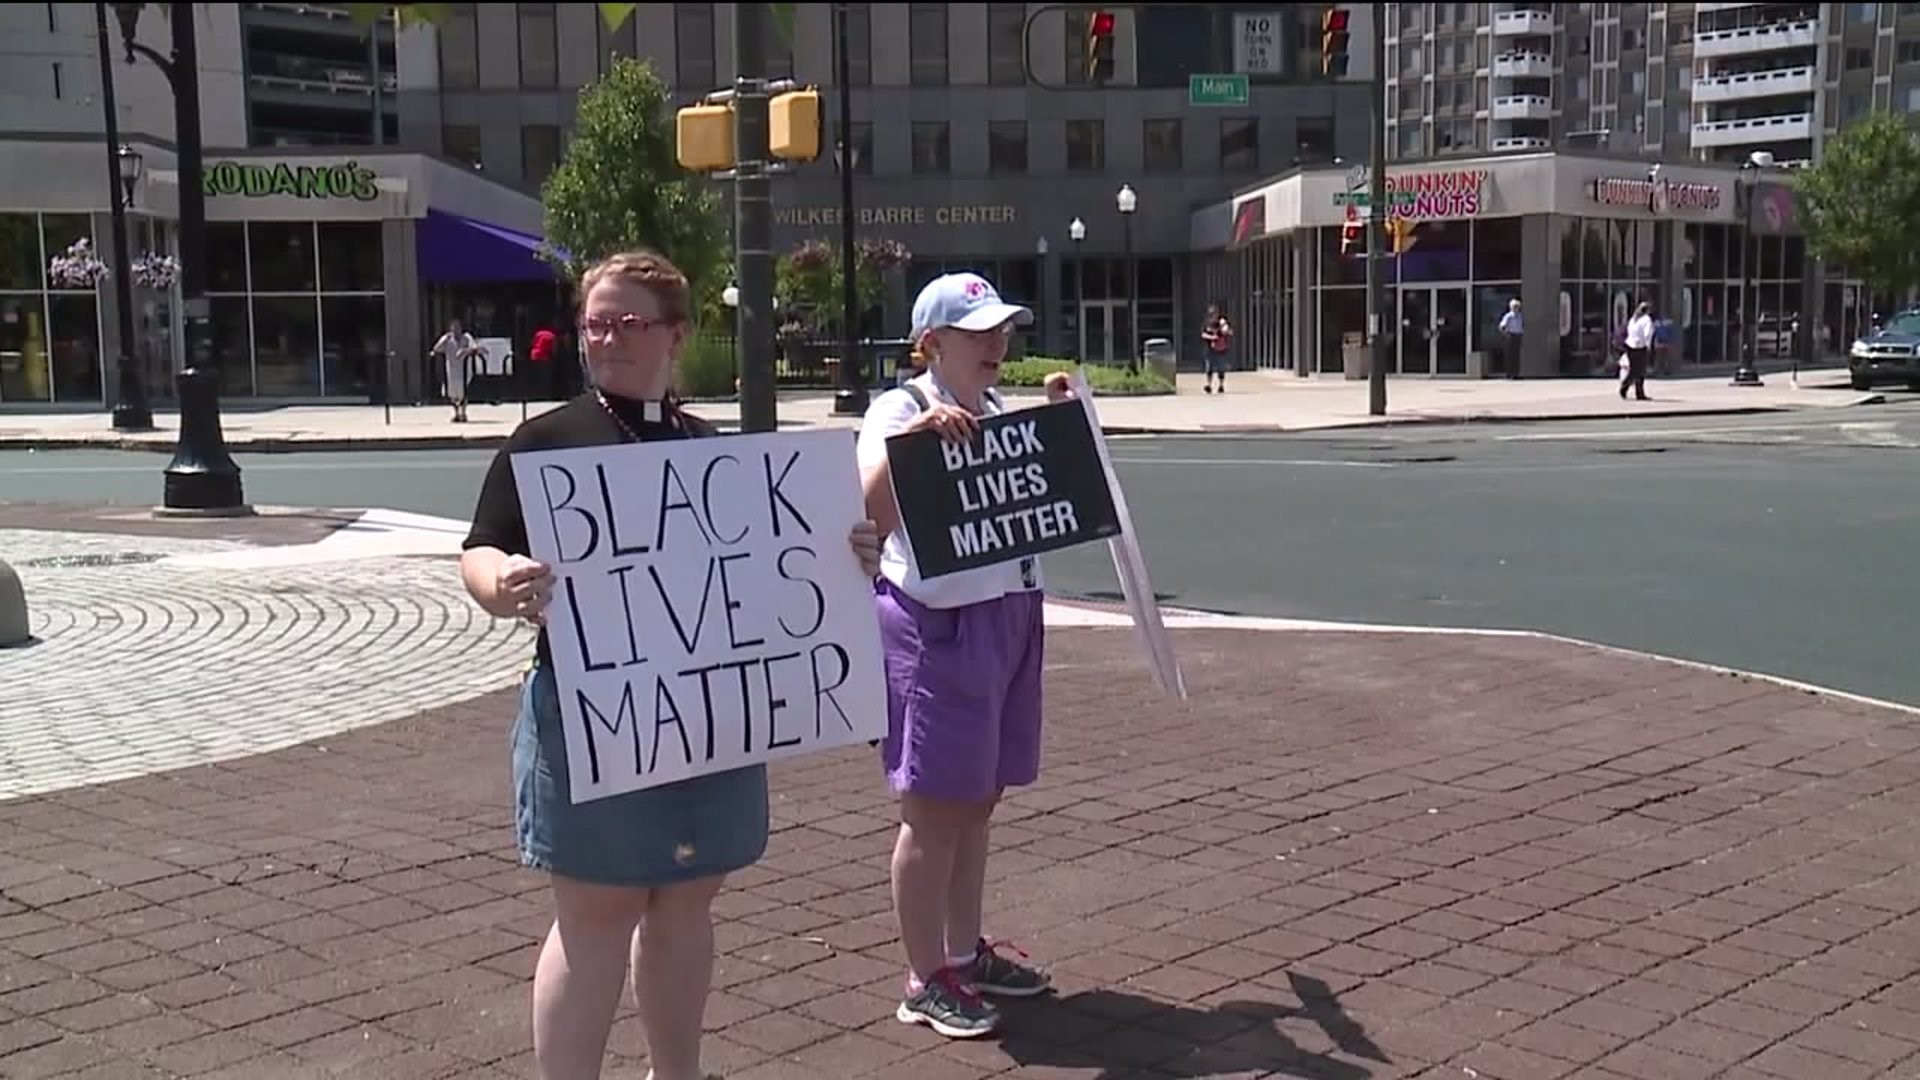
1126 1035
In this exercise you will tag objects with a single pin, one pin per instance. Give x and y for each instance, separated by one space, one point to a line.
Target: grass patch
1106 380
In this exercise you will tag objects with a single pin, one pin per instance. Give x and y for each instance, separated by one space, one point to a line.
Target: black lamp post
202 478
1747 374
130 409
850 396
1127 202
1077 232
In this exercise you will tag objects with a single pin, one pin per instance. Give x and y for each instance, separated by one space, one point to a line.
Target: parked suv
1889 354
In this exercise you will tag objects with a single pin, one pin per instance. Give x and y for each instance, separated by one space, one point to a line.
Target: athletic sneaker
992 973
949 1006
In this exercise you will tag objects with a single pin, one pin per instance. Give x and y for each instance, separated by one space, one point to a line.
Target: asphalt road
1780 543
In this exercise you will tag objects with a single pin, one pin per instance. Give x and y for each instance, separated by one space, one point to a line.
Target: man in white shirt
1639 351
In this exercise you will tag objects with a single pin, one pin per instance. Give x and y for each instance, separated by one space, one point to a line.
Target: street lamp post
202 478
130 409
1077 232
850 397
1747 374
1127 202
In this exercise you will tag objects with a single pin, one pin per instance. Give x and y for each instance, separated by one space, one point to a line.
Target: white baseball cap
964 302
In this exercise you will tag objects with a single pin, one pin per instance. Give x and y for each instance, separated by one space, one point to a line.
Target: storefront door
1433 330
1104 331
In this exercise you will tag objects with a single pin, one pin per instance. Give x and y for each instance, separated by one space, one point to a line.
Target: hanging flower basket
78 268
156 271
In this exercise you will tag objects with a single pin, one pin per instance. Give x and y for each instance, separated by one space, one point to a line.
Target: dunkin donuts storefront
327 272
1578 240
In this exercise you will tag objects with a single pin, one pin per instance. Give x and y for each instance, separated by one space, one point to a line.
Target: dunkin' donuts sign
1659 196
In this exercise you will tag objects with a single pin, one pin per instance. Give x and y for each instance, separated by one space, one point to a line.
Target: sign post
1222 90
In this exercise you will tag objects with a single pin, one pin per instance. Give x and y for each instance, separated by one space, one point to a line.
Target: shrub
1105 379
707 367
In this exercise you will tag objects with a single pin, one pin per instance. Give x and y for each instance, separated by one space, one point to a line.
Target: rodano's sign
348 180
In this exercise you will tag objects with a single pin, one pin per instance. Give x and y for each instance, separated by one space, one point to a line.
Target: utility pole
1377 306
753 218
850 397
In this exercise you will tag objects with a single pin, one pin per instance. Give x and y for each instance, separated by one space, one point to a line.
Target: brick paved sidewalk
1351 856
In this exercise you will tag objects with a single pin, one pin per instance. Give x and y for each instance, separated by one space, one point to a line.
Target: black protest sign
1029 482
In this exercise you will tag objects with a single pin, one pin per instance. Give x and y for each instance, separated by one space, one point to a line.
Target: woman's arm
480 573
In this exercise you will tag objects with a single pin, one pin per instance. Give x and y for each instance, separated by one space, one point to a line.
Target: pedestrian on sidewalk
1511 328
456 350
1216 334
1639 346
633 876
963 659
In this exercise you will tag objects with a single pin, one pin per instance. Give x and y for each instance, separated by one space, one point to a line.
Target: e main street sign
1226 90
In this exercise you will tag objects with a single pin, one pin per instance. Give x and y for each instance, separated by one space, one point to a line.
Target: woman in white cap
963 660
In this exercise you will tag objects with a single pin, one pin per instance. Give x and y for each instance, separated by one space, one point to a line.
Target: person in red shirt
540 354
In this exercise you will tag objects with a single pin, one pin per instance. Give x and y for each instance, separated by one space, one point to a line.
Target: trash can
1158 357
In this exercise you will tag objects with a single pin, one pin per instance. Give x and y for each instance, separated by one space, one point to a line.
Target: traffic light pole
1377 307
753 219
850 398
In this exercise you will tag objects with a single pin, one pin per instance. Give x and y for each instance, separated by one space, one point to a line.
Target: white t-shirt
890 414
1640 332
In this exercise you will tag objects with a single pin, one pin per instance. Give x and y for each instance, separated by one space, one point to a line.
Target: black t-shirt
584 421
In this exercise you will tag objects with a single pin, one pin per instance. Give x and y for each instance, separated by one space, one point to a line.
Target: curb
288 445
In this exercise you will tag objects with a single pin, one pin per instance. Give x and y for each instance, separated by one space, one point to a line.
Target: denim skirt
664 835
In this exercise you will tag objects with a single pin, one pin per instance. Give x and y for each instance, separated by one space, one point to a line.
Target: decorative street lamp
202 478
1127 202
1077 232
130 409
1749 178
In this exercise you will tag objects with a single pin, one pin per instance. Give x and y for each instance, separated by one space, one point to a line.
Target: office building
1581 158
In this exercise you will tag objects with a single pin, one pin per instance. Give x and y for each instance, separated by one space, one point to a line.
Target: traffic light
703 137
1099 47
1333 42
1351 233
795 120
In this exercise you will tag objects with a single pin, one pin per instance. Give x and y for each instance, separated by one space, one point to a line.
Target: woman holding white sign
963 655
633 875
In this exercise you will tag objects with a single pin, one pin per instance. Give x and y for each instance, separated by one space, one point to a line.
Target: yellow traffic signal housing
795 120
703 137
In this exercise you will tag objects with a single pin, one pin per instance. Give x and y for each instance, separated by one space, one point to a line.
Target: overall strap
918 395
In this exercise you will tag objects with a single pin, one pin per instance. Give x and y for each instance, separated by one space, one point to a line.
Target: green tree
620 185
1860 206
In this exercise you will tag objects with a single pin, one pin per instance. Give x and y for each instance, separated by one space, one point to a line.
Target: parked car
1888 354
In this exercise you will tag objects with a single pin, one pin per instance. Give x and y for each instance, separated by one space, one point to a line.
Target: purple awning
454 249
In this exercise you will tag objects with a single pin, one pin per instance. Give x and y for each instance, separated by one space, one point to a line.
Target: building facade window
1239 144
931 148
460 49
617 45
1007 44
1086 145
1007 147
861 136
461 143
50 340
298 308
693 51
927 38
1161 145
539 152
539 46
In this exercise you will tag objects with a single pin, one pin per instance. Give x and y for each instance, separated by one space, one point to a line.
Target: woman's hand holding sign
956 425
523 587
866 546
1059 387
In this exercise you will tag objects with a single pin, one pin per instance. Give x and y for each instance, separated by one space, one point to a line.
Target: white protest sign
708 611
1131 565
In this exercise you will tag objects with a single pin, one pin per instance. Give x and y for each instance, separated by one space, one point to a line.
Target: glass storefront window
281 256
226 258
233 344
1497 249
23 348
350 256
74 334
286 344
353 334
20 264
61 230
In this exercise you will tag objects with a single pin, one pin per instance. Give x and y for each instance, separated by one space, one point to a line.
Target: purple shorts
963 694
